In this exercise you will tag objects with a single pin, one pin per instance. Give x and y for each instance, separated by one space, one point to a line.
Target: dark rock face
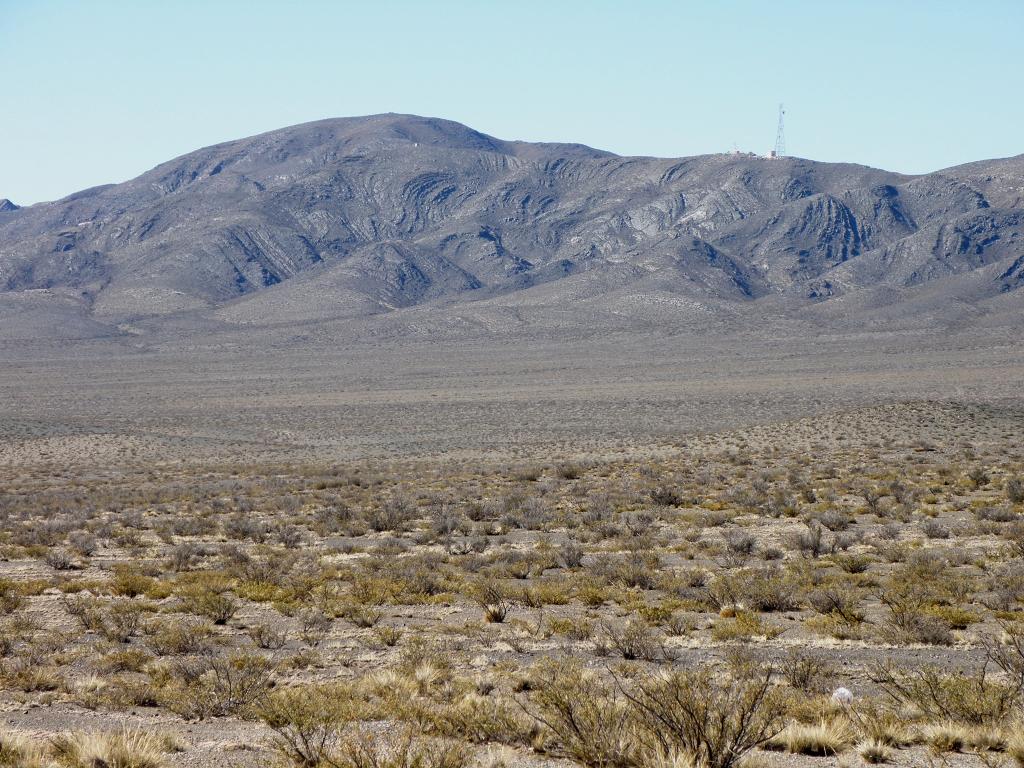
362 216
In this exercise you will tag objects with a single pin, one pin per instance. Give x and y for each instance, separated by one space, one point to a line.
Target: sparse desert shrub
997 514
744 626
11 598
1015 747
392 514
362 616
210 599
807 671
494 600
59 559
331 518
82 542
1007 585
128 582
714 720
544 593
213 686
569 471
853 563
636 569
839 599
121 620
267 636
86 609
185 555
666 496
979 477
835 520
290 536
241 527
577 630
1015 490
974 698
481 719
740 542
591 721
872 498
445 521
761 588
387 636
314 624
635 640
908 620
571 554
177 636
307 721
811 543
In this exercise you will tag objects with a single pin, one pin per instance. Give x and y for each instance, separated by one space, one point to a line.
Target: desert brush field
833 590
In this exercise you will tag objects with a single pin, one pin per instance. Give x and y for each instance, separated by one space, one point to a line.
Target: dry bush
314 727
121 620
213 686
267 636
177 636
11 598
571 554
666 496
314 624
128 582
393 514
909 621
713 720
590 720
494 600
974 698
813 542
362 616
1015 490
307 721
635 640
636 569
807 671
744 626
209 598
569 471
765 588
482 719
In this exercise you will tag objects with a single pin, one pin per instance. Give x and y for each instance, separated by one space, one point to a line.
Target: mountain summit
358 218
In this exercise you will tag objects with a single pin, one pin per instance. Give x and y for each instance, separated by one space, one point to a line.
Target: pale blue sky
100 91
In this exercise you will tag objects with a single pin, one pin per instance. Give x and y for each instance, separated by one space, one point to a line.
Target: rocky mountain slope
401 222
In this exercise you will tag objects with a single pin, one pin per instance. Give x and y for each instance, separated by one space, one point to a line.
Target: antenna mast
780 135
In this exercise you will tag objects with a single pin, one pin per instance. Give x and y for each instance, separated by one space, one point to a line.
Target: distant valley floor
101 404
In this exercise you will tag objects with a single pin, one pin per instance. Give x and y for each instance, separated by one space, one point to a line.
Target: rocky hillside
362 217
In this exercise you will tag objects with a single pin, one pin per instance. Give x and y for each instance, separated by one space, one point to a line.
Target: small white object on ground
842 696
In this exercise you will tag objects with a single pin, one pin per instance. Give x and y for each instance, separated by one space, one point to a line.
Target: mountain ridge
360 218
